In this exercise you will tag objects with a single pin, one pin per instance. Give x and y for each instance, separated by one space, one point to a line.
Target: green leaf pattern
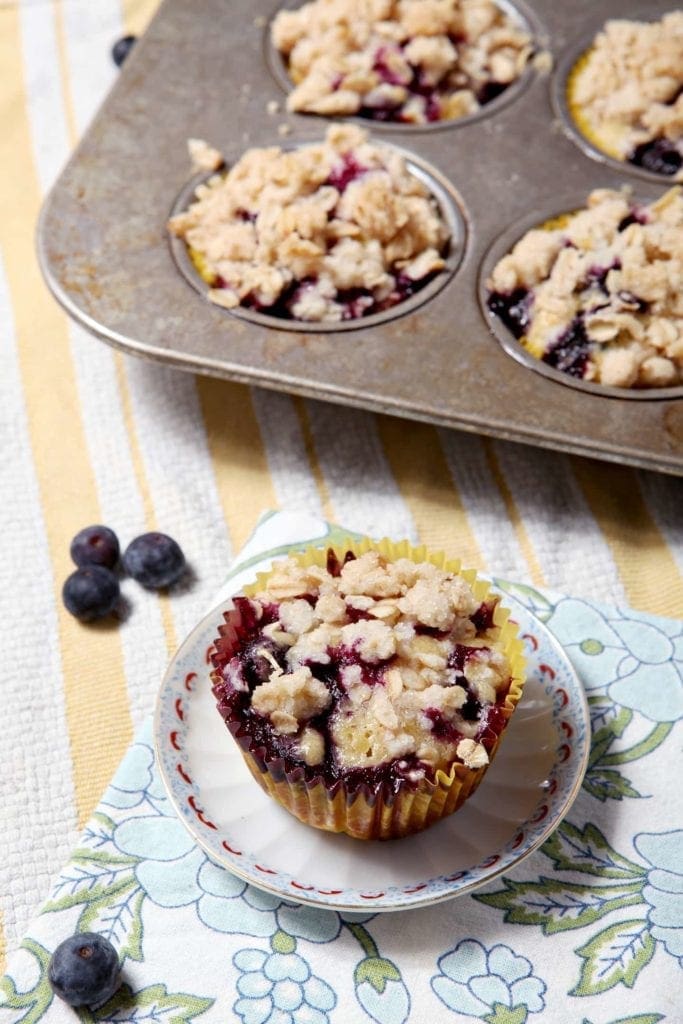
615 955
151 1005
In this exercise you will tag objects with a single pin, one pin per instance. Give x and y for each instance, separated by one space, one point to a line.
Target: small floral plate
527 791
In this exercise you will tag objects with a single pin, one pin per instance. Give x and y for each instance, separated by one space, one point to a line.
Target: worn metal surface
203 70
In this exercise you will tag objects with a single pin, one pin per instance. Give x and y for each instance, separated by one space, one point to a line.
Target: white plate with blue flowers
525 794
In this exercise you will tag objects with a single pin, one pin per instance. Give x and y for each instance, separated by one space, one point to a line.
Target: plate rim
389 906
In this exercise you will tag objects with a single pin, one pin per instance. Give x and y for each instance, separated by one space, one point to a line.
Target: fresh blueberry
154 560
84 970
122 48
91 593
95 545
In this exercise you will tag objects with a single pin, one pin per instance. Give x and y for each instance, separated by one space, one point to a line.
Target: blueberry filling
490 91
597 277
570 353
483 617
628 298
346 171
418 86
513 309
634 217
388 74
257 655
658 155
441 727
356 303
256 666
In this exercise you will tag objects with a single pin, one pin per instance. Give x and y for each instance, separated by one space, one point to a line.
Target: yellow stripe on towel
421 472
92 662
645 564
137 14
242 477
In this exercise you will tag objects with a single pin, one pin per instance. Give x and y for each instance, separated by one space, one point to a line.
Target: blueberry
571 350
91 593
154 560
512 308
658 155
122 48
84 970
95 545
257 667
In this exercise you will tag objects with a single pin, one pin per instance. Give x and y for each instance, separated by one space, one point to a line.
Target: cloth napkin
589 929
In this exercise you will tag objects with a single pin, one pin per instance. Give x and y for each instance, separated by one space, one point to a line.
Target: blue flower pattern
636 659
483 983
663 891
280 988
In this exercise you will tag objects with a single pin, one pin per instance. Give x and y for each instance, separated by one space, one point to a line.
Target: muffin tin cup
524 15
371 812
559 98
507 340
449 205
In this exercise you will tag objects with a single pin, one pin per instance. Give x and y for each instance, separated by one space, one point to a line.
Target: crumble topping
288 698
626 93
203 157
399 60
601 296
371 663
331 231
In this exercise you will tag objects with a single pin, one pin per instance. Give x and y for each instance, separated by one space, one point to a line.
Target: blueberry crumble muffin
411 61
326 232
599 294
368 694
626 93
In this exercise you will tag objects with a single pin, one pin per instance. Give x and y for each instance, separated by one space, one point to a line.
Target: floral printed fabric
588 930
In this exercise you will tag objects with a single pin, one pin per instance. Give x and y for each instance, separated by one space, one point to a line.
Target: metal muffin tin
206 70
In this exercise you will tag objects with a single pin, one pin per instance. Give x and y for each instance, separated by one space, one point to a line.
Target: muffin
409 61
598 293
368 687
626 93
326 232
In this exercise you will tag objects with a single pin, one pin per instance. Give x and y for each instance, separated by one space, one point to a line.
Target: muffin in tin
368 687
626 93
406 61
598 293
324 232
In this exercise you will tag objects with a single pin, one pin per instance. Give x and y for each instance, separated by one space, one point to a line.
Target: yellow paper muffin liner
377 812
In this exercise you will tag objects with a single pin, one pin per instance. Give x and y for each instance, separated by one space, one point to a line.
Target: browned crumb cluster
323 232
627 92
409 626
399 60
601 296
